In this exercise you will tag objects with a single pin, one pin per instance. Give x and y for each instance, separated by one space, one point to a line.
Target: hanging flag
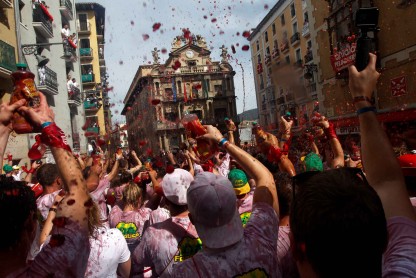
185 97
174 89
205 87
191 92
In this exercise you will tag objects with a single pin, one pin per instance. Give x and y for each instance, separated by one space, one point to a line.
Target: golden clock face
189 54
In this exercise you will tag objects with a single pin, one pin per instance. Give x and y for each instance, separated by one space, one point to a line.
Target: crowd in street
310 208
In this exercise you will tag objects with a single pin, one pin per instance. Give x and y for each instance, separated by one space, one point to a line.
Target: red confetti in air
132 22
237 44
121 62
233 49
145 37
176 65
214 20
221 32
156 26
205 17
238 33
246 34
266 7
164 51
245 47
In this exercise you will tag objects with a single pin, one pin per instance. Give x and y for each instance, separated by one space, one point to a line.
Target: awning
388 117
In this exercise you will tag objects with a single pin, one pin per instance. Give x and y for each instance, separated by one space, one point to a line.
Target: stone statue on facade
155 54
224 54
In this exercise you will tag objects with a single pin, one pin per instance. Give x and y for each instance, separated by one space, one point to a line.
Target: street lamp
29 49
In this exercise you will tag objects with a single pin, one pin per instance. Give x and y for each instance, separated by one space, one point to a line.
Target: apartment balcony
88 79
267 59
93 131
100 36
275 53
308 57
91 106
280 100
47 81
86 53
102 62
41 22
8 4
272 103
66 9
74 97
305 29
263 106
84 28
295 39
7 59
199 69
167 125
284 46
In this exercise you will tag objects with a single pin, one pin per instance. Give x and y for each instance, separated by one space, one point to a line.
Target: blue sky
128 20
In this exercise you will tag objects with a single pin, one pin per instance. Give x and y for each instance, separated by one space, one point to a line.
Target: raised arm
114 170
383 171
139 163
35 165
75 203
6 114
265 186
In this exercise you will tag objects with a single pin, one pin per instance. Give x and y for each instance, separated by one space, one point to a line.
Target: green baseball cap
313 162
7 168
239 181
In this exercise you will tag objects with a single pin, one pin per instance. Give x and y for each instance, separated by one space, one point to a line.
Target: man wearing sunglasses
345 224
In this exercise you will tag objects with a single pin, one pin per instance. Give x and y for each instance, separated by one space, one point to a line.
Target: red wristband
53 136
9 157
330 132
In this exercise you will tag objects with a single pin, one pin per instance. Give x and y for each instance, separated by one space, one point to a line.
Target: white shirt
65 32
18 177
69 84
108 249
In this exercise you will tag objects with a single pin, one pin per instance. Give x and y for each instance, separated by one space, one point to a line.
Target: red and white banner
398 86
344 57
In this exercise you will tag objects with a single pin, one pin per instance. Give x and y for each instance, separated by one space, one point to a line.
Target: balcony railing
295 38
95 129
168 125
41 22
90 105
267 59
275 53
308 57
74 96
284 46
66 9
48 81
88 78
6 4
85 52
305 29
200 69
7 58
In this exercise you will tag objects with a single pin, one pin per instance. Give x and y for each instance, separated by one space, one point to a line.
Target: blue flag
174 89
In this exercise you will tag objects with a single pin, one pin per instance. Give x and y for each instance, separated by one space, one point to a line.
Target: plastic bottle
24 88
195 129
230 124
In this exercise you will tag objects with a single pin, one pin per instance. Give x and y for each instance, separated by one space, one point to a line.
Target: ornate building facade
187 82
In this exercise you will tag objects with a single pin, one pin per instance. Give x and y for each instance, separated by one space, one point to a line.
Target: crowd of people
274 211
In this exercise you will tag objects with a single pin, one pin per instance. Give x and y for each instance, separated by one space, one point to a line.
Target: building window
266 37
309 44
261 82
292 10
275 44
157 88
192 63
305 18
287 59
298 55
267 51
257 45
208 84
258 59
282 19
84 43
295 27
21 5
179 87
218 90
263 98
274 29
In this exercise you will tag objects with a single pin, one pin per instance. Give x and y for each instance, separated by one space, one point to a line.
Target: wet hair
94 220
17 204
340 220
47 174
132 195
284 193
125 177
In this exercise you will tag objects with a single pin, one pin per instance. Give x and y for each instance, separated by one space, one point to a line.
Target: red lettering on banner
344 58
